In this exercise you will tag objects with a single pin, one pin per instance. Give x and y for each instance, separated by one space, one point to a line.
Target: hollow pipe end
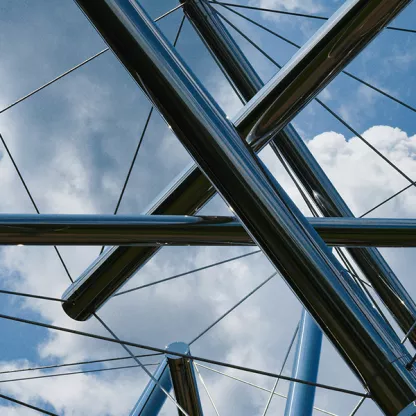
180 347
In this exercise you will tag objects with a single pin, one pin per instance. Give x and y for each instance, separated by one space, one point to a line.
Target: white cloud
310 6
99 114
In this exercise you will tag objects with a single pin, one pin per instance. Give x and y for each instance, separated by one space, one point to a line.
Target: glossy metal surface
153 398
186 196
271 218
305 367
223 47
304 165
369 260
180 230
332 47
183 379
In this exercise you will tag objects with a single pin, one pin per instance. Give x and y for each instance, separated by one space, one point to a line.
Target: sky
74 142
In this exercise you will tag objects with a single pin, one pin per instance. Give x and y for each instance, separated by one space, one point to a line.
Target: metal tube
297 155
223 47
172 371
184 380
330 203
334 45
305 367
181 230
153 398
186 196
273 221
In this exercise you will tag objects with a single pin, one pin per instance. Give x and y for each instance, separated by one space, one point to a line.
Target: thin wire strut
258 387
272 392
349 74
310 16
190 356
30 406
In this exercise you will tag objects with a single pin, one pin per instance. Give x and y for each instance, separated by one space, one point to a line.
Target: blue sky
74 142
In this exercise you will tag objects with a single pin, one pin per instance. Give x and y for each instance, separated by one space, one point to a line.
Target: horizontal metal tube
186 196
308 171
271 218
330 203
182 230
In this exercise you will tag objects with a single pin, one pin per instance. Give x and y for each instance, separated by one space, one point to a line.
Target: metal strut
296 153
184 230
175 371
109 271
368 345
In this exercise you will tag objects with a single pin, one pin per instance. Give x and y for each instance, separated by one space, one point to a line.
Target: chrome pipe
172 371
373 352
153 398
223 47
388 287
186 196
339 40
183 379
308 171
184 230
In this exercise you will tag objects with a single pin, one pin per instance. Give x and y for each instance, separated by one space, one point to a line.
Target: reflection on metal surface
172 371
305 367
181 230
302 162
183 379
371 349
330 203
326 53
224 49
110 270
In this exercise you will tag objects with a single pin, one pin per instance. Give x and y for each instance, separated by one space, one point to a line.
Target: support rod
304 165
351 28
172 371
183 230
373 352
301 397
223 47
185 196
183 379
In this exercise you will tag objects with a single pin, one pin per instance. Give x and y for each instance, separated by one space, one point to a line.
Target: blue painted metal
305 367
153 398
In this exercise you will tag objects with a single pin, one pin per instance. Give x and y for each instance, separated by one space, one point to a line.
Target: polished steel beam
296 153
183 379
172 371
183 230
367 344
301 397
185 196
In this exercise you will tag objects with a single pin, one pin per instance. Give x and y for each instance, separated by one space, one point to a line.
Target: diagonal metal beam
109 271
367 344
181 230
289 144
